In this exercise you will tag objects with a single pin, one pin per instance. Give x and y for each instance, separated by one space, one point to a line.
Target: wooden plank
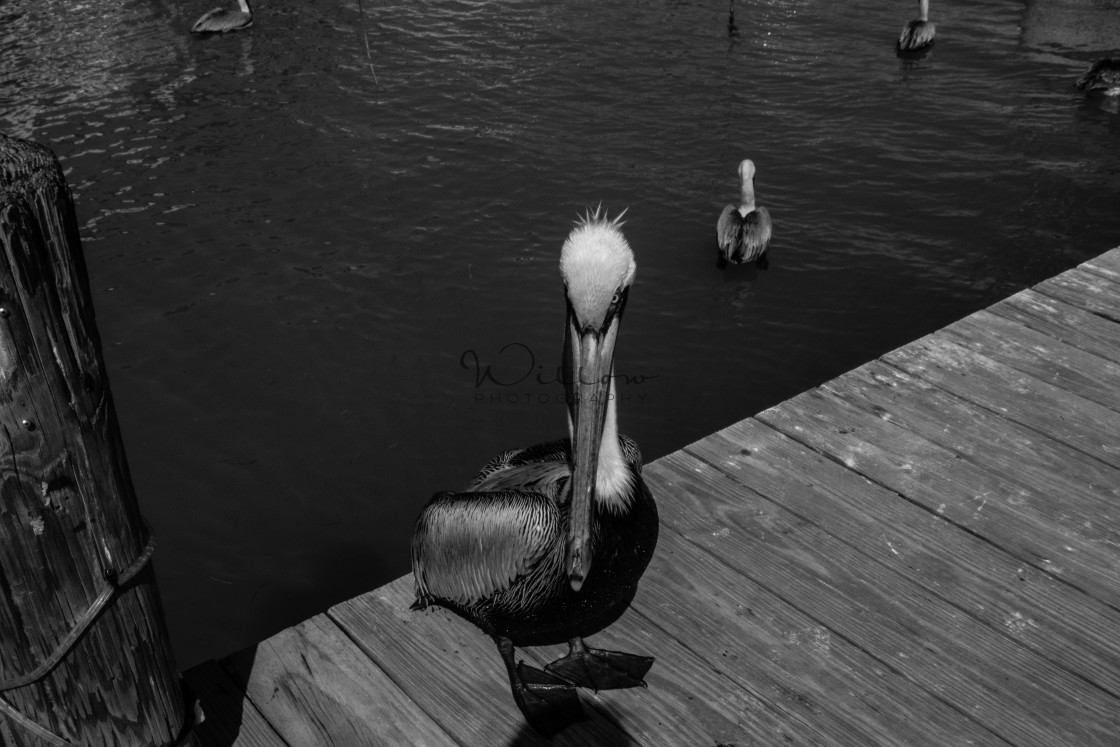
231 720
454 672
1087 426
687 695
767 646
1069 324
1024 350
683 703
316 687
1085 290
910 531
1057 508
1106 265
977 670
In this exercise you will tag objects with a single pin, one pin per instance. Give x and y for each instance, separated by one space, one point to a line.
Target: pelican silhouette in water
548 543
220 20
917 35
743 230
1104 75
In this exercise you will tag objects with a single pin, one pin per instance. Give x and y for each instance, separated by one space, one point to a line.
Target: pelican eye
617 298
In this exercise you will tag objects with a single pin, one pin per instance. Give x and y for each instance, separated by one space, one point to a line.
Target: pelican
732 29
1104 75
547 544
220 20
917 35
743 230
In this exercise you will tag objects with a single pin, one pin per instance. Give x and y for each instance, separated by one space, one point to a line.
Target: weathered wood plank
910 529
1022 349
683 703
453 671
687 696
1087 426
1085 290
1025 699
1058 508
231 720
1057 319
767 646
316 687
1107 265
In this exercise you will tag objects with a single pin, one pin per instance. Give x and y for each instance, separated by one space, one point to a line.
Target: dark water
301 274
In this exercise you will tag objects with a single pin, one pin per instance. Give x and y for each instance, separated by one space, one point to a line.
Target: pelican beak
589 361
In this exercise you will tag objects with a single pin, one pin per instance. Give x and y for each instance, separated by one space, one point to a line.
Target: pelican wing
756 234
1105 73
220 20
915 35
470 546
543 468
727 229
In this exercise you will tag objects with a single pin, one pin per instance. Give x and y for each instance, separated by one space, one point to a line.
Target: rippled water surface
303 273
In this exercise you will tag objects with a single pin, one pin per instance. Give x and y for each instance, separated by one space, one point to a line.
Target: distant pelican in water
732 29
743 230
1104 75
917 35
548 543
220 20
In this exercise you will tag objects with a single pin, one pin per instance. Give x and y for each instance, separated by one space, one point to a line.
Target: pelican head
598 268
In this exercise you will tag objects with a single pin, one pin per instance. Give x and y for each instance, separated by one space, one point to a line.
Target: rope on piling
114 581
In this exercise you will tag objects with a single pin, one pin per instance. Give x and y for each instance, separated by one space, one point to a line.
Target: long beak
590 355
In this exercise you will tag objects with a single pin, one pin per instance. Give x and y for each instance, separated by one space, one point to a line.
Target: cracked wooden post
84 652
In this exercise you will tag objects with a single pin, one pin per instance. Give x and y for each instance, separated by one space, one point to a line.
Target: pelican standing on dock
548 543
918 34
220 20
743 230
1104 75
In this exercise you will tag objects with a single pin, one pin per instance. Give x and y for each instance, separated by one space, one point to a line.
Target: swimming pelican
548 543
1104 75
732 29
220 20
743 230
918 34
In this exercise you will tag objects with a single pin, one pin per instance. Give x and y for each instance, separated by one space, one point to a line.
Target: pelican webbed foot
600 669
548 703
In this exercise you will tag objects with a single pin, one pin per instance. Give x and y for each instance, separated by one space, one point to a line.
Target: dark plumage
547 544
1104 75
743 230
220 20
918 34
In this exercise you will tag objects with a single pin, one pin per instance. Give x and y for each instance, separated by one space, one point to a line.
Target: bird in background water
743 230
917 35
732 29
221 20
1103 75
547 544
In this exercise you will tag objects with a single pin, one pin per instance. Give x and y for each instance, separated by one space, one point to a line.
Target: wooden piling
84 651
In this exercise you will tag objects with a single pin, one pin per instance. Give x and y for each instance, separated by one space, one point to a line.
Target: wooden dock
923 551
